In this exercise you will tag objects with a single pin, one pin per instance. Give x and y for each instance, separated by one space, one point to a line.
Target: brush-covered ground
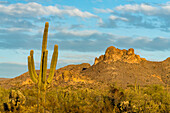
118 81
110 99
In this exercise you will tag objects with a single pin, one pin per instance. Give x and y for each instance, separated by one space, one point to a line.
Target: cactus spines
41 79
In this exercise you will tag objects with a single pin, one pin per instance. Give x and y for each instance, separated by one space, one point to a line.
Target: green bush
153 99
4 94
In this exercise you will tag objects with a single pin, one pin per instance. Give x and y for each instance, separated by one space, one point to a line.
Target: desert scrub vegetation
79 101
150 99
153 98
3 97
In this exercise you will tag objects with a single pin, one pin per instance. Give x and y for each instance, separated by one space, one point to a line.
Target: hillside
118 81
3 79
126 68
122 67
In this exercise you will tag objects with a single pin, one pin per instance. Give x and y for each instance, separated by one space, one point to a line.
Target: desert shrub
160 96
153 98
4 94
31 96
80 101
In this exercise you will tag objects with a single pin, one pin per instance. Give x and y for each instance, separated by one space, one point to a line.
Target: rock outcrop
71 73
114 54
126 68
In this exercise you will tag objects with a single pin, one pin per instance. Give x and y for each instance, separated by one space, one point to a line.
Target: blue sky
83 29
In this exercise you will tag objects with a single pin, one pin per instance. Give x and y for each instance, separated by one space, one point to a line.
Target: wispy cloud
112 17
98 41
83 33
83 41
33 9
141 8
163 9
112 21
97 10
140 15
76 26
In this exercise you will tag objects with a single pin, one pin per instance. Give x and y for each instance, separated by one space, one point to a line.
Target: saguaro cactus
41 80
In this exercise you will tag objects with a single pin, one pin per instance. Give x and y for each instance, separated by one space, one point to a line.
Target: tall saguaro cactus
41 80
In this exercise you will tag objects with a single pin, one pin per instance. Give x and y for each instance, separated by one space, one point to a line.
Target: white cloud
145 9
103 10
15 29
34 9
112 17
83 33
15 63
141 15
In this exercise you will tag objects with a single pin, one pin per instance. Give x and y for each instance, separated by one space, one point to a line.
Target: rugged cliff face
113 54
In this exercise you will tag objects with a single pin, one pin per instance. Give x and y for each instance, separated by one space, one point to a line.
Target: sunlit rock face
113 54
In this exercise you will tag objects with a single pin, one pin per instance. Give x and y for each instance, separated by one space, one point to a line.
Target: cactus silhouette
41 80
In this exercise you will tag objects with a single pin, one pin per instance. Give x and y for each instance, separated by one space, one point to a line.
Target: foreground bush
153 99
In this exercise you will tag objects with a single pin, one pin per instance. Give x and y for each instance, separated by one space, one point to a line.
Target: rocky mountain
122 67
113 54
126 68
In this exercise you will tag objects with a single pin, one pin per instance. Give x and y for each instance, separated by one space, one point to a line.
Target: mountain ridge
123 67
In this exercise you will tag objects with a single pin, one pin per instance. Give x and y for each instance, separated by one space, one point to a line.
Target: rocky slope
68 74
122 67
126 68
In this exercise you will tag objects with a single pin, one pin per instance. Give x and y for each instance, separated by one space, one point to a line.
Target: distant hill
122 67
3 79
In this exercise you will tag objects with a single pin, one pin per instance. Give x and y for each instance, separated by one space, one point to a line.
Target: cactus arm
53 64
32 62
44 46
44 67
44 43
31 71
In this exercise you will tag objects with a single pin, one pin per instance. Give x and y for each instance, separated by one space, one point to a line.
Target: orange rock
124 51
130 51
110 49
143 59
137 56
114 54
